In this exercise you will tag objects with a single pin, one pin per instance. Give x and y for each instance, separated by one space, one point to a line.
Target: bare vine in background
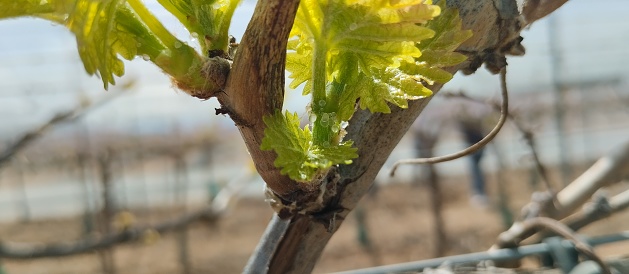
601 207
516 233
127 233
90 244
504 113
609 169
59 118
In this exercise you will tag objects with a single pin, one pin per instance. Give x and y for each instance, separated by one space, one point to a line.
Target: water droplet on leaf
353 26
166 52
335 128
177 44
146 57
325 118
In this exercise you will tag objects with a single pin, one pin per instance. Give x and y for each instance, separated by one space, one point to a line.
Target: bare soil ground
398 220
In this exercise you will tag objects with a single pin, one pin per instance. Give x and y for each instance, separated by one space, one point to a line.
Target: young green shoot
375 53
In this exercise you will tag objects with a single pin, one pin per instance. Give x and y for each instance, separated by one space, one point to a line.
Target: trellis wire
494 255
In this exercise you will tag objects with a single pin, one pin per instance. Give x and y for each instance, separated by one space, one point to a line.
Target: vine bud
216 70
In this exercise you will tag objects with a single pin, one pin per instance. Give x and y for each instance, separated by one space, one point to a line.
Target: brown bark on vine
255 86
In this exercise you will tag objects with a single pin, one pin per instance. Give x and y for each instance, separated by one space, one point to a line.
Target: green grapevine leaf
108 30
297 156
388 85
301 68
369 34
98 41
207 20
438 51
372 48
98 38
406 82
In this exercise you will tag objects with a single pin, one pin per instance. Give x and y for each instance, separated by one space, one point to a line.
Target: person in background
470 119
472 134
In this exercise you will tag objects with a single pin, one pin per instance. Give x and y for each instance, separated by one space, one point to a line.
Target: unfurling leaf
438 51
297 156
